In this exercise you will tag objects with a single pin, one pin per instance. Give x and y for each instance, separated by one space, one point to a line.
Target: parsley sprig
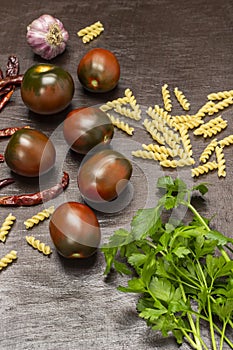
181 270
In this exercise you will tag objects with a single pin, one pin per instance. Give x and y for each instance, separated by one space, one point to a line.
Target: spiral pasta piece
41 247
90 32
189 121
6 226
168 133
221 161
220 105
160 149
166 98
8 259
131 98
181 99
41 216
177 162
186 140
151 129
212 127
208 151
204 109
182 118
126 112
149 155
121 125
226 141
162 113
220 95
203 169
215 129
92 35
112 104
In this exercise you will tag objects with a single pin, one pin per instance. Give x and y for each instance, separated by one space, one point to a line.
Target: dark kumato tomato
99 70
85 128
30 153
47 89
74 230
103 176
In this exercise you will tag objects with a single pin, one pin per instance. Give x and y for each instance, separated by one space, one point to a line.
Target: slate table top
58 304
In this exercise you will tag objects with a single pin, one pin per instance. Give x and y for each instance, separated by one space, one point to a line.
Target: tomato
104 175
99 70
30 153
75 230
47 89
86 128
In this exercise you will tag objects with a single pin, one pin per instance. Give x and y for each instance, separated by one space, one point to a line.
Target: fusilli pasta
160 149
6 226
90 32
204 109
228 140
8 259
166 98
126 112
212 127
220 105
121 125
208 150
177 163
112 104
41 247
221 161
205 168
186 140
149 155
220 95
182 99
162 113
189 121
150 128
41 216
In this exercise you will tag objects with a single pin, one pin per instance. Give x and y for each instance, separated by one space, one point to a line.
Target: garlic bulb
47 36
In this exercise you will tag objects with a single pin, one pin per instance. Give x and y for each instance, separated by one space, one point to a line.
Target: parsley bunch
181 270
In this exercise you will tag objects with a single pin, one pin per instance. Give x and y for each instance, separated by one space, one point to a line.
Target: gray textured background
54 304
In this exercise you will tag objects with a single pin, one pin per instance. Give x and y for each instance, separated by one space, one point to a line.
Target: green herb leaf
145 222
202 188
181 252
135 285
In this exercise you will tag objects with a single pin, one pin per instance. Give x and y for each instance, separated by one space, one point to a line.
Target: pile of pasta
6 227
171 145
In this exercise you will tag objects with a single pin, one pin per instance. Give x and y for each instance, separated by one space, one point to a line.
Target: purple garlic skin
47 36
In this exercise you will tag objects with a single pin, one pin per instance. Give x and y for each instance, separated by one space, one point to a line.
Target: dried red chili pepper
11 81
7 84
2 158
7 181
38 197
4 90
6 98
10 131
12 68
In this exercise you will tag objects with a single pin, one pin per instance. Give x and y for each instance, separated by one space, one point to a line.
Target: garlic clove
47 36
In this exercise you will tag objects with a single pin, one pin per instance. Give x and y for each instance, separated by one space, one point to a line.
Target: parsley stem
211 324
187 336
190 318
222 335
198 216
204 318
